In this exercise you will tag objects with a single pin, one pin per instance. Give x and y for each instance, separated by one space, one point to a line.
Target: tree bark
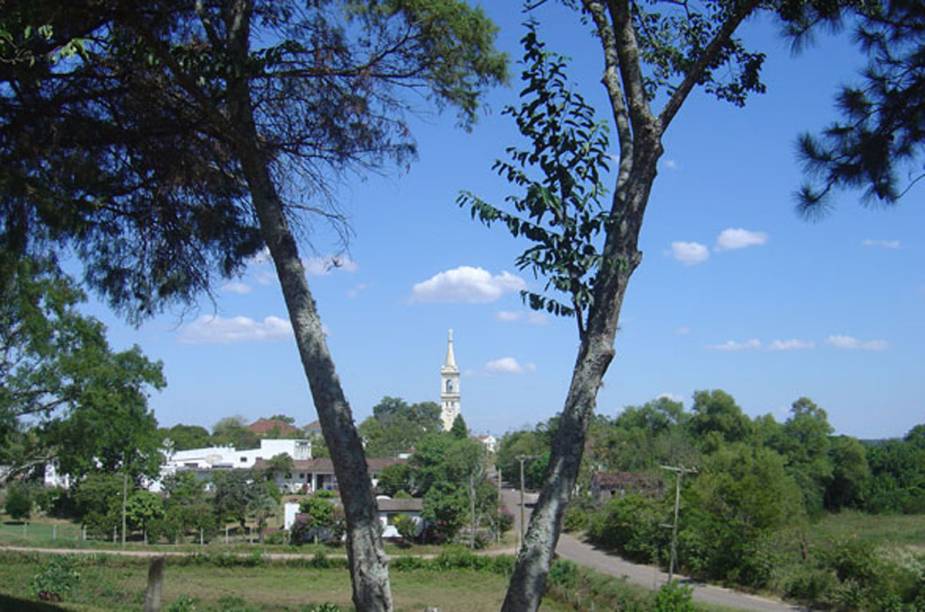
365 553
621 257
368 562
155 585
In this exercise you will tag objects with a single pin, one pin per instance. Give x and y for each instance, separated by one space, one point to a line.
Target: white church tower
449 386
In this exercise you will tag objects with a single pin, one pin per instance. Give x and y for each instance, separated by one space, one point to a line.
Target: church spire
450 356
449 386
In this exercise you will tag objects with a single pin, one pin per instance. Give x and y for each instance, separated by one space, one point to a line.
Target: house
317 474
312 429
388 509
391 508
202 461
273 427
605 485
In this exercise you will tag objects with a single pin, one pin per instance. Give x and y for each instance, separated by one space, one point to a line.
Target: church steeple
449 386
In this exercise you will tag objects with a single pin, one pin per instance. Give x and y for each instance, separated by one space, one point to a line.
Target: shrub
325 494
408 563
406 527
56 580
674 597
18 502
576 519
563 574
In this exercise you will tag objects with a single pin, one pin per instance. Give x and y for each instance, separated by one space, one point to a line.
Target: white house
310 475
389 509
202 461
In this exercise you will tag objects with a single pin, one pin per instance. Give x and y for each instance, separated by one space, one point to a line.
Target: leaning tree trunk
528 583
368 563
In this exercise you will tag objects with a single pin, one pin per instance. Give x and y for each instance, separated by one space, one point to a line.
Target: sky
735 291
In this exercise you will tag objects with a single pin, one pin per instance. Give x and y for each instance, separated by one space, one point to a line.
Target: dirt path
648 576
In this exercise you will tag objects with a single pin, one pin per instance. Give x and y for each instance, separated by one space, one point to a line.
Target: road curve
648 576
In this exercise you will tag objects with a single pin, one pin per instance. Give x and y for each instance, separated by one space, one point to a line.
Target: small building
489 442
308 476
391 508
605 485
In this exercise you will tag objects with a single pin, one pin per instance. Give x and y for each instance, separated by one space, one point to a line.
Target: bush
675 597
406 527
57 579
630 525
576 519
18 502
325 494
563 574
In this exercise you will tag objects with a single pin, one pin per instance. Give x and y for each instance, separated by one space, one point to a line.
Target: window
288 475
301 476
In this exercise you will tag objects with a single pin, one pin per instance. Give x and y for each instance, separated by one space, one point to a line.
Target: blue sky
734 292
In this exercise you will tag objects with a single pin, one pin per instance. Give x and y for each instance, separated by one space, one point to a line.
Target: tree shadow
25 605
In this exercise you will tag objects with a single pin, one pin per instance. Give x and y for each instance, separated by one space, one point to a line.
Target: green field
882 529
109 583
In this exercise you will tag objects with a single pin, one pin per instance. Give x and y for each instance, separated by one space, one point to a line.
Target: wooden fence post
155 584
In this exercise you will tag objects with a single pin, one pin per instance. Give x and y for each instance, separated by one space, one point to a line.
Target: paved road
643 575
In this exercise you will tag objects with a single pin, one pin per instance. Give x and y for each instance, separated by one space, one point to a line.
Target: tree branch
706 58
627 49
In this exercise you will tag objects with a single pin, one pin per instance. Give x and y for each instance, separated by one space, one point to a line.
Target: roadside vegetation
788 508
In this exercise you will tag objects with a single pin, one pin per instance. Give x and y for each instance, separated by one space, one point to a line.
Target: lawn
108 583
880 529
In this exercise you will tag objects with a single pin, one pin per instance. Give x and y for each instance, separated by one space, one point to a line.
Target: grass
107 583
881 530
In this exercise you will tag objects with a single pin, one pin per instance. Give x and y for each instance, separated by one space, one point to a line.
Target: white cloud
670 164
793 344
466 284
322 266
236 287
852 343
689 253
883 244
683 330
732 345
508 365
219 330
738 238
261 257
531 317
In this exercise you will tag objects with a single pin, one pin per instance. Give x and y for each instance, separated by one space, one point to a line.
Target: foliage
234 492
395 478
185 437
675 597
632 526
233 431
879 137
445 509
459 428
183 603
716 418
278 464
85 404
98 502
316 519
407 528
18 503
142 507
57 579
560 212
742 495
397 426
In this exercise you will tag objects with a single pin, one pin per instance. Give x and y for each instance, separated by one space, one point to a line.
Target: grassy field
906 530
118 584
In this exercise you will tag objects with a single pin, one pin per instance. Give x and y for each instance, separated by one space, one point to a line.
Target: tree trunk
368 562
528 583
155 585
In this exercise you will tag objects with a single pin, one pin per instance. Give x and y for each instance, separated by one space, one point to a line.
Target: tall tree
187 135
65 395
655 53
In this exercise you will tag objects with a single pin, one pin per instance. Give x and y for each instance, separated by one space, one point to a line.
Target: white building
308 476
449 386
204 460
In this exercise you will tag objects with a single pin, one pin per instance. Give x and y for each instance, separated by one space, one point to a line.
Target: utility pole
500 505
680 471
124 495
